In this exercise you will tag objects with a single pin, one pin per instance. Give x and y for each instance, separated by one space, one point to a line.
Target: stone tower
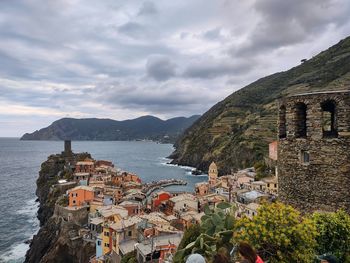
314 151
213 174
67 148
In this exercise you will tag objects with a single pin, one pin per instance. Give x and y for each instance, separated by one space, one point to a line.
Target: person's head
195 258
328 259
221 258
247 252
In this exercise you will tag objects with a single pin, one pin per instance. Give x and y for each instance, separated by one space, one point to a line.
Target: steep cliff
54 242
236 131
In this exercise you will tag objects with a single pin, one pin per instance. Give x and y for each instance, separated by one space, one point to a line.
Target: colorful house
158 198
86 166
202 188
80 195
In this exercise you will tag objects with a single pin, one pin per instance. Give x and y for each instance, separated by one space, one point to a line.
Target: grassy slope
236 131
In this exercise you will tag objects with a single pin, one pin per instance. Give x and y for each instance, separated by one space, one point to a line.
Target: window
106 245
300 120
106 234
268 185
74 202
305 157
282 122
99 243
275 185
329 128
129 233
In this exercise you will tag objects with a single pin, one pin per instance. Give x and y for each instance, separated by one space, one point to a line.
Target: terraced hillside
236 131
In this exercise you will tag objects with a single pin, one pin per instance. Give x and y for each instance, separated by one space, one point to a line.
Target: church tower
213 174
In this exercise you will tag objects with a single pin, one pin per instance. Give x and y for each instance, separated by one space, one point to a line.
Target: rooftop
253 206
85 163
252 195
145 248
120 225
81 187
127 246
183 197
110 210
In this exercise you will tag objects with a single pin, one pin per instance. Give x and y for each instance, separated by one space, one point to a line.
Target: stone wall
314 171
78 215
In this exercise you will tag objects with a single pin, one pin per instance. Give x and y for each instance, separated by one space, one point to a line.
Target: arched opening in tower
300 120
329 122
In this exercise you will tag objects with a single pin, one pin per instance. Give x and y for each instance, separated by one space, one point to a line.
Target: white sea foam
166 162
195 175
18 251
30 210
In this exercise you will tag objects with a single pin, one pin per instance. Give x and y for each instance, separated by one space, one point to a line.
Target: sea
20 163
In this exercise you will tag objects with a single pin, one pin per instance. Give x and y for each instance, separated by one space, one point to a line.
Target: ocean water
20 163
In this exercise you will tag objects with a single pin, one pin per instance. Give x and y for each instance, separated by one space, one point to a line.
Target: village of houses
120 214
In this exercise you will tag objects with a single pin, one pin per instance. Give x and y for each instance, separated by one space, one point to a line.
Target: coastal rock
53 243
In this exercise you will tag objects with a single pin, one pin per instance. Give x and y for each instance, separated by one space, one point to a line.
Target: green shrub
279 233
333 234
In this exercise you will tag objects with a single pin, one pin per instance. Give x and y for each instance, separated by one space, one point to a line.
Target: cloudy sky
123 59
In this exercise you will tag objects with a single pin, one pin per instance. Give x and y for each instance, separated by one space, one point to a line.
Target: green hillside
236 131
142 128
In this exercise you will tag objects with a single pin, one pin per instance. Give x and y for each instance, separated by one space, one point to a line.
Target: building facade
314 151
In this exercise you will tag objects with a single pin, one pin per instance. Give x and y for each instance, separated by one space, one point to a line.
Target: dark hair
247 252
220 258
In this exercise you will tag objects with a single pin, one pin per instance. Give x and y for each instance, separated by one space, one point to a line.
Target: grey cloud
160 67
55 53
289 22
167 98
147 8
213 69
213 34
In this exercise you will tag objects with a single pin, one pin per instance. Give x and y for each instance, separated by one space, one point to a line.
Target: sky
124 59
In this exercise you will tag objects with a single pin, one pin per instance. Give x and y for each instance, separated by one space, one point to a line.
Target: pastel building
202 188
159 198
86 166
80 195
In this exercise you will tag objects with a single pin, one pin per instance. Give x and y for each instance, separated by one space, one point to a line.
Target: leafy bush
261 169
333 234
216 231
279 233
129 257
190 235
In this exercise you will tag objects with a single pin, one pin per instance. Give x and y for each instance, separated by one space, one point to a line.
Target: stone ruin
314 151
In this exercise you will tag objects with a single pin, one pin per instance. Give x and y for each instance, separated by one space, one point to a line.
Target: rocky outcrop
57 239
236 131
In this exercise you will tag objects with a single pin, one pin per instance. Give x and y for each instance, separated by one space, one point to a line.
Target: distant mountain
236 131
143 128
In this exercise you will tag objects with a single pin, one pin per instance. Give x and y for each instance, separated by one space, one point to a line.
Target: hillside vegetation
236 131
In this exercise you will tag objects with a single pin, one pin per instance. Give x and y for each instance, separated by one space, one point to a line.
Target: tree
261 169
216 231
279 233
190 235
129 257
333 234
